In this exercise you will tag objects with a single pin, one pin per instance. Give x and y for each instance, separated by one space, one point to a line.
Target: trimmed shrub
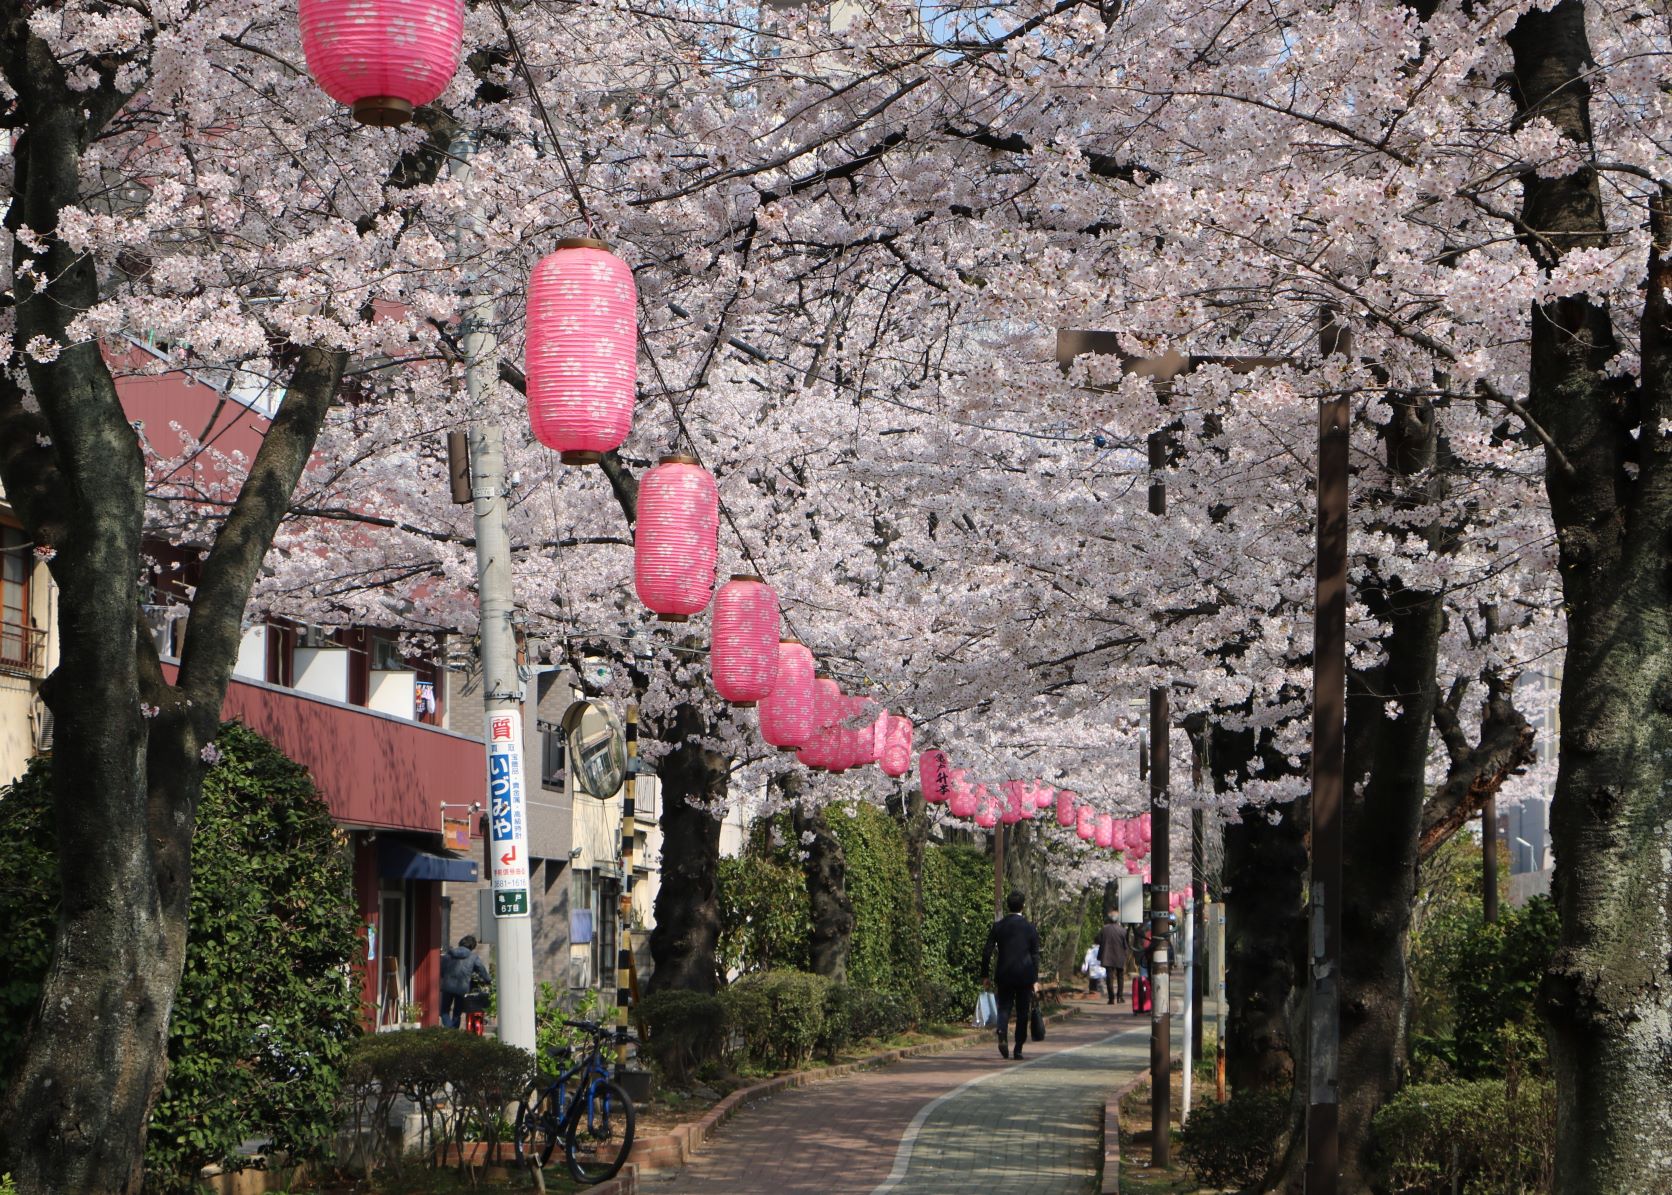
1478 1138
266 1004
460 1083
854 1014
779 1015
683 1032
1233 1144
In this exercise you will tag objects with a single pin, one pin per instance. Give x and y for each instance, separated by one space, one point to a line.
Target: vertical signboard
507 815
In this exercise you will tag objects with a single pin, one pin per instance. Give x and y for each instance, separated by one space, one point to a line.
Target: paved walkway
966 1120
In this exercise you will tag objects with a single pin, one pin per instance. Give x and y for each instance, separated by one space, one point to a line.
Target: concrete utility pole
502 686
998 871
1161 1020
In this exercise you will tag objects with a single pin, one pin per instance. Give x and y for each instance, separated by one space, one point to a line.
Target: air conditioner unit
41 719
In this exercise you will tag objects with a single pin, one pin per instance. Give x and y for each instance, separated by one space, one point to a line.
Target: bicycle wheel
539 1117
598 1141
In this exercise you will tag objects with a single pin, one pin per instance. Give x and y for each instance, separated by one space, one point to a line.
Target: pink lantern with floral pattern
676 540
1065 808
743 640
382 58
894 752
581 356
786 713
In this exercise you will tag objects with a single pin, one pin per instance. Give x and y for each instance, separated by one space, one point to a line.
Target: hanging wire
545 117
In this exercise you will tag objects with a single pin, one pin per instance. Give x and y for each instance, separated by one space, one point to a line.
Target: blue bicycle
583 1108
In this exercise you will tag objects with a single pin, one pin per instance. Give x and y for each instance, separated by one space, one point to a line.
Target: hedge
1477 1138
267 1002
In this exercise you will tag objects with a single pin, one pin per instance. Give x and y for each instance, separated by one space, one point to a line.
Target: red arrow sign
509 856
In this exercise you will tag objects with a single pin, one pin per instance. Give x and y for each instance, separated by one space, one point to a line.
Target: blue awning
398 860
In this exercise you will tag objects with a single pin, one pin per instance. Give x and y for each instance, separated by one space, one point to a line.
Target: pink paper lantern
894 754
383 58
823 747
857 744
743 644
934 776
1044 796
581 358
1132 866
1086 826
988 817
1015 808
1104 831
786 713
964 801
1144 829
1065 808
676 542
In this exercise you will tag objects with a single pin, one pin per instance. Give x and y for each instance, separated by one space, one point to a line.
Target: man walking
459 966
1111 952
1017 974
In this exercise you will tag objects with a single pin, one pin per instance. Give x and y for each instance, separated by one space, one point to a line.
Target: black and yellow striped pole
624 956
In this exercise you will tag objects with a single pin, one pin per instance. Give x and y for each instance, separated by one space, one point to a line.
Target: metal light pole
1329 687
502 687
1161 1021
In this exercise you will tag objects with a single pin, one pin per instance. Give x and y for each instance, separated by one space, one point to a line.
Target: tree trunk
1607 997
1264 882
684 943
825 867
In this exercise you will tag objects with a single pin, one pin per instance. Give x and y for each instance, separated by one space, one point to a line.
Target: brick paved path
948 1123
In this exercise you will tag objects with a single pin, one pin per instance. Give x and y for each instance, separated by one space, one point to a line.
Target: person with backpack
1016 975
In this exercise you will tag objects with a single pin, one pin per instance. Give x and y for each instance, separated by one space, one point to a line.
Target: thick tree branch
1505 747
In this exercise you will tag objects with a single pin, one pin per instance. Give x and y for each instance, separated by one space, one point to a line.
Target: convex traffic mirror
597 748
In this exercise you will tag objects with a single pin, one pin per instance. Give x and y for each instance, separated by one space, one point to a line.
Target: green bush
461 1084
854 1014
683 1031
1477 1138
1233 1144
779 1015
554 1038
1495 979
267 1001
765 920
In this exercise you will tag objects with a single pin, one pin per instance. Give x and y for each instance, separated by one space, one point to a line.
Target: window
21 643
551 759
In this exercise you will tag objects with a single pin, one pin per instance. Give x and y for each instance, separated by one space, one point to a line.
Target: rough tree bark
1264 882
825 867
1607 997
683 945
129 770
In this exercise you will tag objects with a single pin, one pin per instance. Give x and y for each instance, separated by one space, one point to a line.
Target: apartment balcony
22 650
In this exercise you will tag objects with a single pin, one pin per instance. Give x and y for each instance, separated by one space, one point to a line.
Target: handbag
986 1010
1036 1026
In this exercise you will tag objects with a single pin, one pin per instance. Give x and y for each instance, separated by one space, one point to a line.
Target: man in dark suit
1017 975
1111 952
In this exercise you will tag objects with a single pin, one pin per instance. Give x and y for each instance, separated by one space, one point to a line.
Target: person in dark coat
1111 952
459 965
1016 975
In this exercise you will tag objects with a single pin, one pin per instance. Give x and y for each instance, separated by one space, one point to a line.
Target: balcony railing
22 649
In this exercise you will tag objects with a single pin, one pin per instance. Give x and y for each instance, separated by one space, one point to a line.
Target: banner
507 815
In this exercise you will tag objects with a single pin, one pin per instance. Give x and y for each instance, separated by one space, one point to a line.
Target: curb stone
687 1139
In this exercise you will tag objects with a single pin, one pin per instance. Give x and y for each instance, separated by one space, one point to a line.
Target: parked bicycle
583 1108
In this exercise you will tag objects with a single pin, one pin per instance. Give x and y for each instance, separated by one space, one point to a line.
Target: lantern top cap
759 580
582 243
677 458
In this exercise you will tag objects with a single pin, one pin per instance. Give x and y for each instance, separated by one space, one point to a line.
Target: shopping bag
1036 1028
987 1010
